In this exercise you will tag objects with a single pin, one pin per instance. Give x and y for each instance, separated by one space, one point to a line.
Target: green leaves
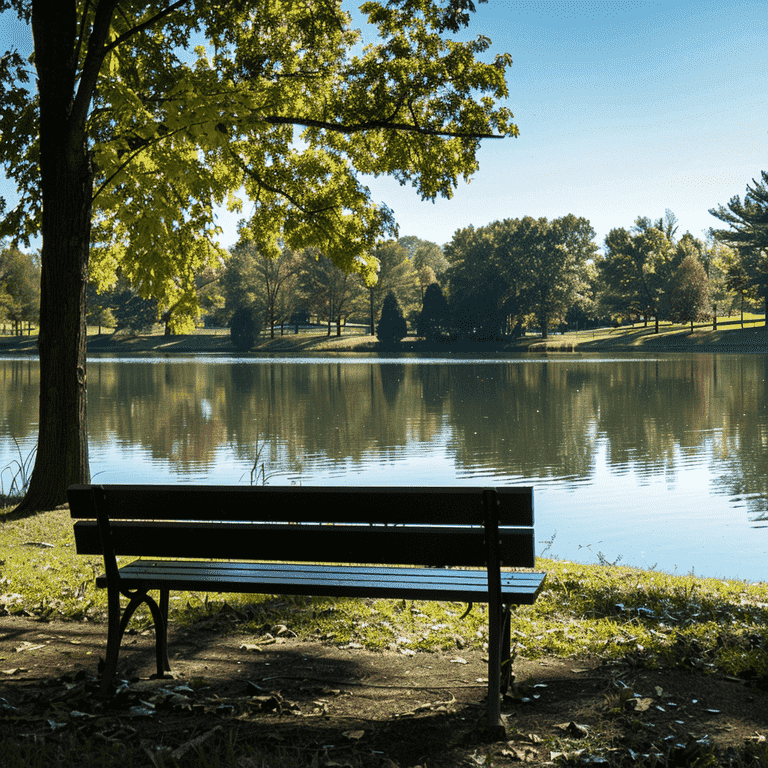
518 267
748 235
638 268
189 102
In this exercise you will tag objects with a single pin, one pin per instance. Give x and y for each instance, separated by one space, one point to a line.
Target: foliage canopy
748 235
147 114
192 101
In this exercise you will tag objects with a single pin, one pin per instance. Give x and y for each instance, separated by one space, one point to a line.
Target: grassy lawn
601 610
608 614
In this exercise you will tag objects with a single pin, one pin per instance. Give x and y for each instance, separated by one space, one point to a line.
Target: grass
730 333
604 611
730 336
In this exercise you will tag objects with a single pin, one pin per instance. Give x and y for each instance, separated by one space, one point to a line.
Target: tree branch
374 124
136 153
276 190
141 27
81 35
93 60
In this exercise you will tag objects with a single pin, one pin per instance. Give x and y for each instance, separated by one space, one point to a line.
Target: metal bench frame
311 541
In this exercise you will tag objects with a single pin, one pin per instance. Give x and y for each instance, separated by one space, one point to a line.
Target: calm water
654 461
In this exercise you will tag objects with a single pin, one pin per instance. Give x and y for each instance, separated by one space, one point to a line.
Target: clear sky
625 108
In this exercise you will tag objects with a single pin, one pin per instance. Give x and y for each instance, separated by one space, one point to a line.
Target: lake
650 461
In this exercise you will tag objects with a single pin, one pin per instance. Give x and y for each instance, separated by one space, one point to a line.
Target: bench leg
495 635
161 634
114 635
506 659
118 625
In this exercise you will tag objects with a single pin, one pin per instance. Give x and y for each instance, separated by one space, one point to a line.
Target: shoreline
744 341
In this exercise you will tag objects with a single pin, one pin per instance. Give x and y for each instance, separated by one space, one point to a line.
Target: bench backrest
409 525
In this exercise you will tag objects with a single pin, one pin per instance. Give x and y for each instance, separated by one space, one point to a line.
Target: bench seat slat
329 581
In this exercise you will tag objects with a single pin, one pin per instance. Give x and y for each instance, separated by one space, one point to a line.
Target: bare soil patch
336 706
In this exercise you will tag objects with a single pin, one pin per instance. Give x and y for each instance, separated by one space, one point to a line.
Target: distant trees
425 253
491 280
121 308
689 297
637 270
502 273
435 318
397 274
262 282
483 291
328 291
19 288
647 273
555 267
244 328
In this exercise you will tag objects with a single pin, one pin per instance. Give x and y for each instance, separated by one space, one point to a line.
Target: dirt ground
345 706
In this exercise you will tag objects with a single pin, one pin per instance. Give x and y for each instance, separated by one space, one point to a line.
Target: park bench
417 543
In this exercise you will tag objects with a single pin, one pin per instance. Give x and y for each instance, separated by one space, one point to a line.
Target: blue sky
625 109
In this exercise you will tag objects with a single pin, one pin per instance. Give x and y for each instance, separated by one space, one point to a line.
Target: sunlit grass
605 611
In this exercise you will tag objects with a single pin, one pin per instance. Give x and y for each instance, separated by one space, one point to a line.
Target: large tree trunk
62 452
66 181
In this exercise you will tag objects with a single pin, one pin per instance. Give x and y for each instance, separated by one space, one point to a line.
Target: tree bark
66 183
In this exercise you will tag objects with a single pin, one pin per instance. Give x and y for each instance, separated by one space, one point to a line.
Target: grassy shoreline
617 622
671 338
603 611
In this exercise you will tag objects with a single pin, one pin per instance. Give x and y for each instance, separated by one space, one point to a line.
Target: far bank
736 340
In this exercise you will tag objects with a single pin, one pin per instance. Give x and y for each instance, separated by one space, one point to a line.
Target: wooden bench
335 542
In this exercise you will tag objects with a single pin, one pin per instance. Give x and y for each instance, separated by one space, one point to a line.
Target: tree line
487 282
509 276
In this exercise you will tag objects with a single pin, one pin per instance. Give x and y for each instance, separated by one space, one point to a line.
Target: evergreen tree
748 233
435 318
392 326
244 328
396 273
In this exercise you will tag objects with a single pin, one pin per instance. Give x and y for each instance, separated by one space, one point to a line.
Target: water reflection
634 438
